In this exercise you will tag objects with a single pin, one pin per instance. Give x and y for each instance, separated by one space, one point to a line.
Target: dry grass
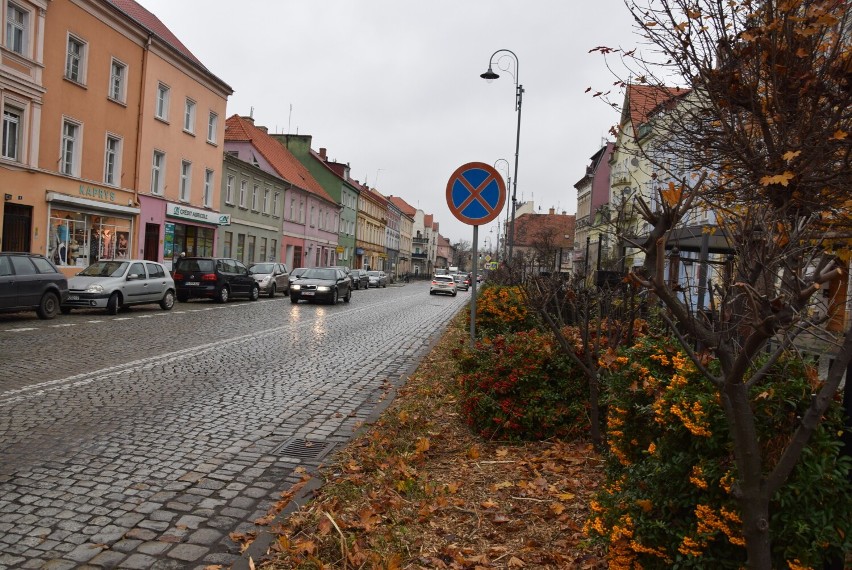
419 490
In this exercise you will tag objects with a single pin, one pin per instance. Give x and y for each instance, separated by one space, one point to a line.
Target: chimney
564 213
264 130
552 211
248 119
323 154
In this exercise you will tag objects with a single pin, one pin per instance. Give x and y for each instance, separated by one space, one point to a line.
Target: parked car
378 278
442 284
295 274
272 277
217 278
322 284
462 282
361 279
28 282
113 284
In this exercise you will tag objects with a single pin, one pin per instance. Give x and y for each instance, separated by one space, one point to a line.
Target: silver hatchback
113 284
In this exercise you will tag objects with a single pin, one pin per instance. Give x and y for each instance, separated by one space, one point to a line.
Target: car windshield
374 273
328 274
262 268
298 271
105 269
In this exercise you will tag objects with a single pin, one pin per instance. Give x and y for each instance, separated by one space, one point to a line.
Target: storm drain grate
303 449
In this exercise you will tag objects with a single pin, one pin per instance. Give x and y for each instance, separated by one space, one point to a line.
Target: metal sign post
476 194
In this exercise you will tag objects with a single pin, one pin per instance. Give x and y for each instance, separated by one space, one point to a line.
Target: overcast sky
392 87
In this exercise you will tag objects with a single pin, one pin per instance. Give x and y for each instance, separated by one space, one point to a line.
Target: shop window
263 250
78 239
241 243
228 244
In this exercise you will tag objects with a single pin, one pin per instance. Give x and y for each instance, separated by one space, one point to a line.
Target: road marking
22 330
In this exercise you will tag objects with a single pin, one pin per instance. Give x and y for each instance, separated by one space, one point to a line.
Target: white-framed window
162 107
158 172
229 190
212 127
12 120
117 81
185 179
254 197
301 212
313 221
208 188
17 28
112 161
189 116
266 193
69 161
275 198
292 208
75 60
243 186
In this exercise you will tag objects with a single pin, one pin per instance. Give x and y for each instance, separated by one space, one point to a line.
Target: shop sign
98 193
340 249
194 214
359 251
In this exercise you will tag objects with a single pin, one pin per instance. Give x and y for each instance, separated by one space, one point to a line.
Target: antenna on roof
289 117
251 113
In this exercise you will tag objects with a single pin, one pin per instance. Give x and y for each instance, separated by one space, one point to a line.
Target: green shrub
520 386
667 501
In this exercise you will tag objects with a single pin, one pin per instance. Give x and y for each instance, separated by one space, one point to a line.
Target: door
136 289
152 242
240 277
156 281
17 227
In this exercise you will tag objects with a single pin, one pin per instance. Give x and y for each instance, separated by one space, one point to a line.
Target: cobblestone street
143 440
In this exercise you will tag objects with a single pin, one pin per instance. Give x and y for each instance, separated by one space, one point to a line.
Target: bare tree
763 141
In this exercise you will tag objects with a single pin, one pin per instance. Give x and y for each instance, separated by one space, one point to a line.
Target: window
208 188
117 81
70 152
263 250
162 109
229 190
16 28
301 212
313 220
189 116
242 193
158 167
275 199
292 208
229 243
273 251
241 244
11 132
212 127
75 60
112 161
266 200
185 179
250 252
254 198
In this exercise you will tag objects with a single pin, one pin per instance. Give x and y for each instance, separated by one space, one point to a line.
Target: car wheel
168 300
113 304
454 293
65 310
272 291
348 296
293 299
334 297
255 293
431 292
224 295
48 307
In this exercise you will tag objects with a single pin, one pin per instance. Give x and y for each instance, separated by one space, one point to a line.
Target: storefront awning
58 198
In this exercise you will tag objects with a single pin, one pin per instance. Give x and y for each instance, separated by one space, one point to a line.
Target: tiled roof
642 100
534 229
403 206
153 24
287 166
427 221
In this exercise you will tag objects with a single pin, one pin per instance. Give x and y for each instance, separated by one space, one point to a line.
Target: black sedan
322 284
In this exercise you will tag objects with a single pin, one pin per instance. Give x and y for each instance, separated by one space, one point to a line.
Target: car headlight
323 288
295 287
95 288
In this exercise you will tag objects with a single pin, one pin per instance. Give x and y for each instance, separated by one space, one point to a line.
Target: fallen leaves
418 490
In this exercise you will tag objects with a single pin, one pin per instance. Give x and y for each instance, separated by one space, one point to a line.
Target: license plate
73 297
192 283
307 293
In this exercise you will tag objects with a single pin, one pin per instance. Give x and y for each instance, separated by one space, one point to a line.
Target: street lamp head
489 75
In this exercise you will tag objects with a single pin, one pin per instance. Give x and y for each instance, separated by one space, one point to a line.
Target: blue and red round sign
476 193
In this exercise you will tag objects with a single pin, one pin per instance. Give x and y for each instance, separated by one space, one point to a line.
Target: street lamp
506 227
519 95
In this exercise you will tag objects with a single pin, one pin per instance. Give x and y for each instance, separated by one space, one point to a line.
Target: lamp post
506 227
519 95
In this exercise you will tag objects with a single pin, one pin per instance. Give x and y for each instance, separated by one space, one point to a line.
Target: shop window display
78 239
